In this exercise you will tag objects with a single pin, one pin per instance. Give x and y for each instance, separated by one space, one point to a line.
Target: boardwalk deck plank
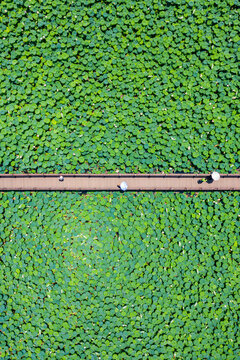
111 182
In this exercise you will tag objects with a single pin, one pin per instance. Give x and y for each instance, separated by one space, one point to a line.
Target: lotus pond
119 276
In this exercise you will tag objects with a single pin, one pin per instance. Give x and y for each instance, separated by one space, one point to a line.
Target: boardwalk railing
111 182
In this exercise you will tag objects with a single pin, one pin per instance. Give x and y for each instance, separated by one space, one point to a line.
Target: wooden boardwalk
111 182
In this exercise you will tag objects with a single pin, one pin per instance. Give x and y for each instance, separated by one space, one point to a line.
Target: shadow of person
207 179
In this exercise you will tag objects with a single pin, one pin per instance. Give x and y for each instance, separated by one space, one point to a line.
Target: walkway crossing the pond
112 182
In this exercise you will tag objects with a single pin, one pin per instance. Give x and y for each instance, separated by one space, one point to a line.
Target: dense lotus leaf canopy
129 86
119 86
119 275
